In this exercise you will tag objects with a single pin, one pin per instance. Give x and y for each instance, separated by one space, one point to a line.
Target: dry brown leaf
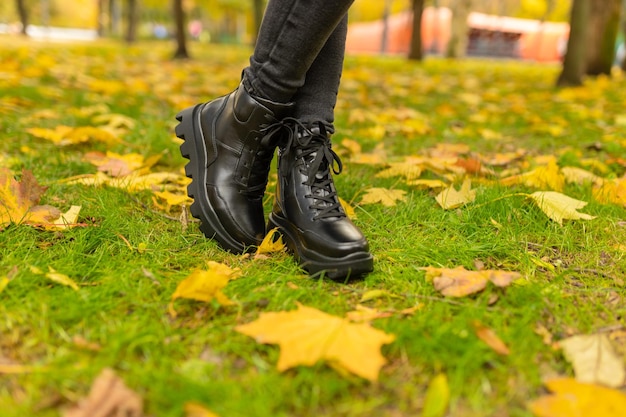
459 282
490 337
307 335
108 397
594 360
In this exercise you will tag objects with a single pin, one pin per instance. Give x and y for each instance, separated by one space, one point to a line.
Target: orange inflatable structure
488 35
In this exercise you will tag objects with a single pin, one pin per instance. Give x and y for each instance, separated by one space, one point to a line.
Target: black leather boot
307 210
230 144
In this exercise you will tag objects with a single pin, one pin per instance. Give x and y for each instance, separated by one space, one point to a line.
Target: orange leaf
459 282
307 335
490 338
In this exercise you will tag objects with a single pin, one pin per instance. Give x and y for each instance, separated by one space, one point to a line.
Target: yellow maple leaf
407 170
171 199
205 285
459 282
548 176
558 206
272 242
366 314
450 198
133 182
384 196
308 335
66 135
347 208
65 220
571 398
19 201
429 184
611 192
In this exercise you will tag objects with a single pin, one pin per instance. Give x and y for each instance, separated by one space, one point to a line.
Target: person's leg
307 209
292 35
230 141
315 100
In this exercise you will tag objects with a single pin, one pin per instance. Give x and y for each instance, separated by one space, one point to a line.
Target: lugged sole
317 264
193 148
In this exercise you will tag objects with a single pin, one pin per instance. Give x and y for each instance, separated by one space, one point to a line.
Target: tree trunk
457 47
181 37
384 38
132 21
574 62
415 53
114 17
623 64
604 19
23 12
100 17
258 6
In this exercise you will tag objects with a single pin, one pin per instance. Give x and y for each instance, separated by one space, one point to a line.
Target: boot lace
259 171
313 147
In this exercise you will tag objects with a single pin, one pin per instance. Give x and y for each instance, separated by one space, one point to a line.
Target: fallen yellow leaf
594 359
548 176
384 196
459 282
451 198
575 175
558 206
60 278
193 409
571 398
437 397
205 286
273 242
408 170
65 220
307 335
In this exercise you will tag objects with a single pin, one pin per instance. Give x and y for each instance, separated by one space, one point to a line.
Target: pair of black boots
230 143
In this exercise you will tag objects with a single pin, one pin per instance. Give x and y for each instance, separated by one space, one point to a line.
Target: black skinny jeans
299 56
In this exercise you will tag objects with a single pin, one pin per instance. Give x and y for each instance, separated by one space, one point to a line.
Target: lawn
501 124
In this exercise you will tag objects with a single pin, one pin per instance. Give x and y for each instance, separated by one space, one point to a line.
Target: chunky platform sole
194 149
315 263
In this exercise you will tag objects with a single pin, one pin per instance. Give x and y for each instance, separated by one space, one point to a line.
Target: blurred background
524 29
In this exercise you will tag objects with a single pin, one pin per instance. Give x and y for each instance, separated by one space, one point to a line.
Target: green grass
122 303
